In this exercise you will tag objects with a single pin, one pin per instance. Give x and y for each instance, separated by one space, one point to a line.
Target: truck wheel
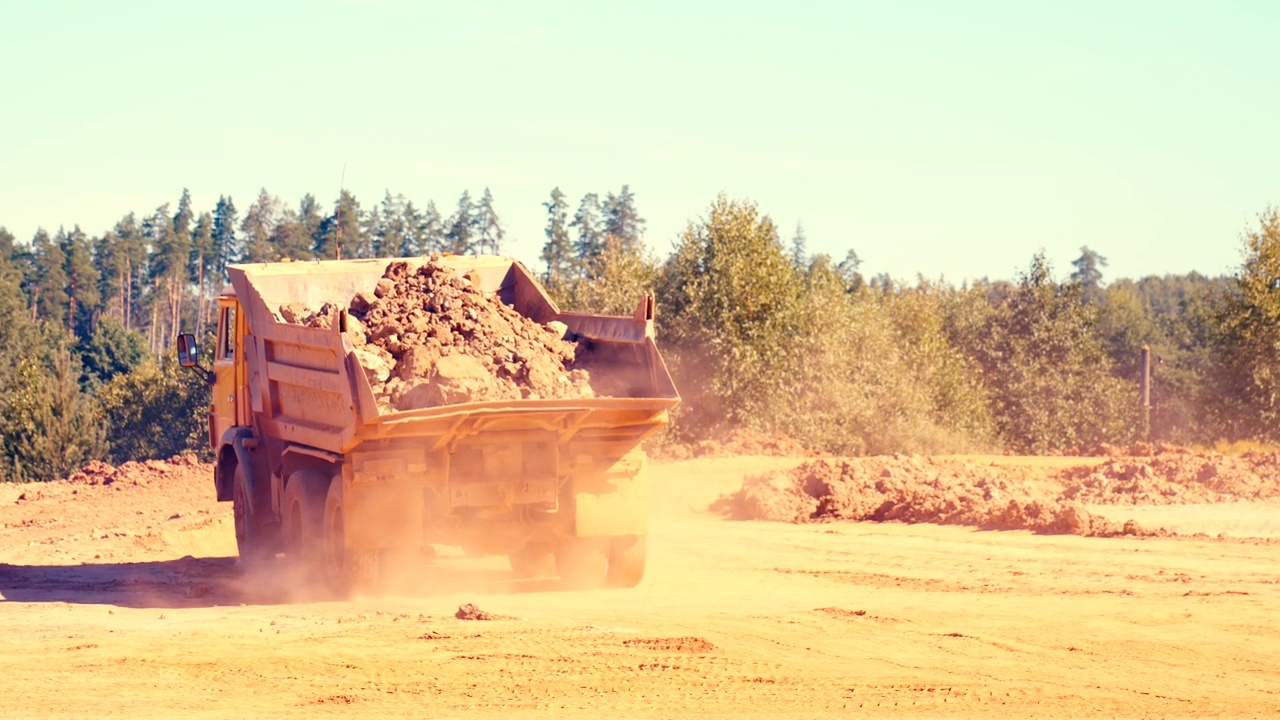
532 561
348 570
304 500
583 563
627 560
255 543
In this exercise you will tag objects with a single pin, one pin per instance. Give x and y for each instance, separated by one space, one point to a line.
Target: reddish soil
427 336
1175 477
1000 496
124 599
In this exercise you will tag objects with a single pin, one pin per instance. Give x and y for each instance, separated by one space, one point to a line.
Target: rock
541 374
459 379
294 313
417 362
469 611
376 367
362 301
356 330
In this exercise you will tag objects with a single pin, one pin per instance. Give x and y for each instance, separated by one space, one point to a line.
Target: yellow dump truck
344 487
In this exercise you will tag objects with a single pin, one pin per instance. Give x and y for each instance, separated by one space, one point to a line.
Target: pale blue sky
947 138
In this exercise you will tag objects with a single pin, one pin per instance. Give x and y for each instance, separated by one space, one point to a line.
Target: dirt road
734 619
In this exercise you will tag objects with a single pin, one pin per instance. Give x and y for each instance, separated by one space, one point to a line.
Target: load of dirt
913 490
1175 476
427 336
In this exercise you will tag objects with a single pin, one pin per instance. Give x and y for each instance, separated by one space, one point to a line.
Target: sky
946 139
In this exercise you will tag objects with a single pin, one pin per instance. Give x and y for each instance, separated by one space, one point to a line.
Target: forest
760 333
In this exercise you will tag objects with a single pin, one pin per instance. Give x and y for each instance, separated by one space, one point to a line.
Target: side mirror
188 352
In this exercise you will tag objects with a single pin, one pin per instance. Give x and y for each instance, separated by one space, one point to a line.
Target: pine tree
413 242
557 253
847 269
182 219
60 431
370 223
1088 273
489 232
310 218
82 283
259 223
170 258
590 240
135 254
391 233
204 260
48 284
9 267
341 235
430 231
459 238
622 220
799 249
227 246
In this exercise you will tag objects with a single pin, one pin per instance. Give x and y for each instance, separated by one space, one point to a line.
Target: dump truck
346 488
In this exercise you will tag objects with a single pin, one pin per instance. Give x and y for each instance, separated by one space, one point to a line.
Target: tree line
762 333
759 332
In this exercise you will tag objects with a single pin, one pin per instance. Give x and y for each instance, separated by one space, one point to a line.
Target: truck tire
349 571
254 541
303 520
583 563
627 558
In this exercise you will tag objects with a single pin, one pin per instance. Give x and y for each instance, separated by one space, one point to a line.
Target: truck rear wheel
348 570
583 563
255 543
303 510
627 558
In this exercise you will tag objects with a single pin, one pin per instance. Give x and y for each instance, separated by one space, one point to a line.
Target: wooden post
1144 392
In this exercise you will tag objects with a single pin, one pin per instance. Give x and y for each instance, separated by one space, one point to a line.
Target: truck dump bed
308 388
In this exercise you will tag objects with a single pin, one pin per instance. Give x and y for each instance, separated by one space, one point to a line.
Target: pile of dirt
134 473
1175 477
105 512
469 611
427 336
913 490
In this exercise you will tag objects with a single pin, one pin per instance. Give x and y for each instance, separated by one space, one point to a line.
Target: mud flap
382 513
615 502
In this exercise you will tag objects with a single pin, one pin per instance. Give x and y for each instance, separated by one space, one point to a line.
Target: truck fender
233 442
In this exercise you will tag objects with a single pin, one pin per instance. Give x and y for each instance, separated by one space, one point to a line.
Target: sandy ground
126 602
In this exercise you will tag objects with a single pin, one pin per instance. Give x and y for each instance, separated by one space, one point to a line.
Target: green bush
156 411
